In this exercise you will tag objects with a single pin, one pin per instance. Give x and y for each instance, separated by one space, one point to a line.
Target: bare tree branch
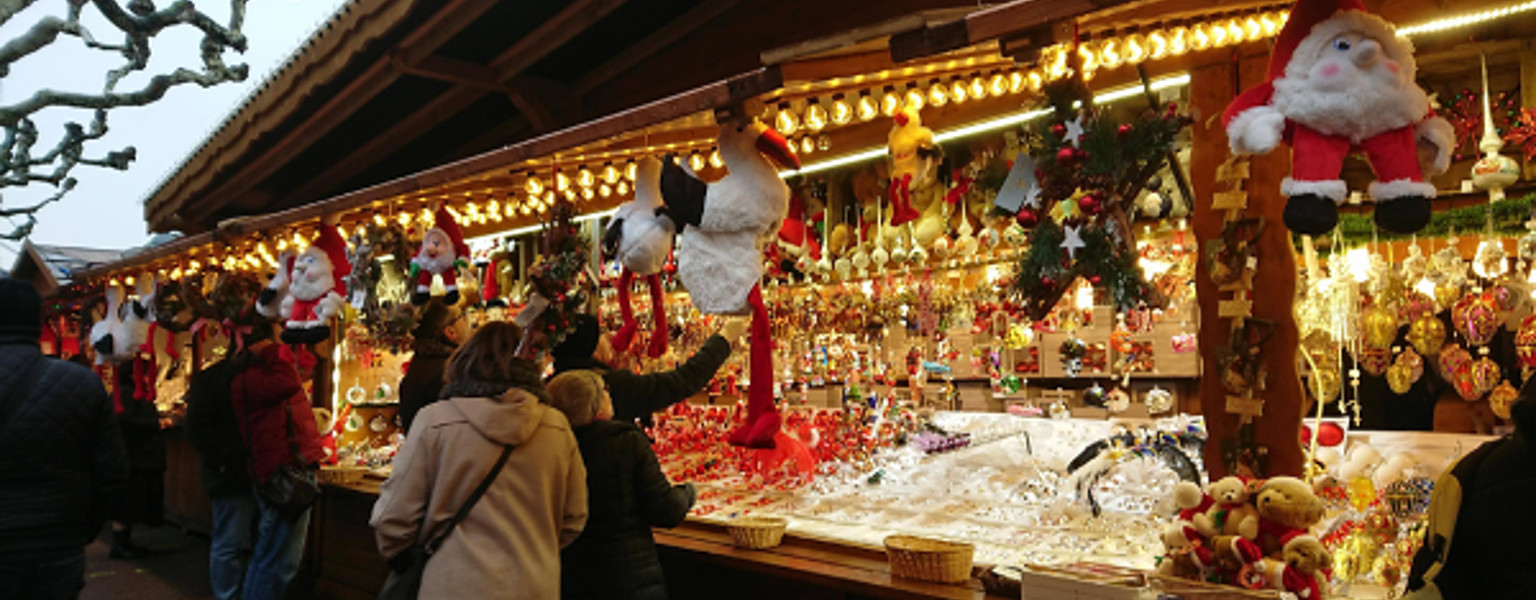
23 164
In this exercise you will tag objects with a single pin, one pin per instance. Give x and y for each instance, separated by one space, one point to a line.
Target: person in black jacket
1493 522
61 457
143 499
437 334
627 494
214 431
635 396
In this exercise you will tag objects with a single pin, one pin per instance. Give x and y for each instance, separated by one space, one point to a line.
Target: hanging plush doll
315 283
1341 80
641 241
270 301
914 155
442 253
725 226
797 242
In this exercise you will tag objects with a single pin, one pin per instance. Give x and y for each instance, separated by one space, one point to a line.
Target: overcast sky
106 209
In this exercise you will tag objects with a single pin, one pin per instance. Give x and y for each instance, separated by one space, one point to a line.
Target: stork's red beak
777 149
901 119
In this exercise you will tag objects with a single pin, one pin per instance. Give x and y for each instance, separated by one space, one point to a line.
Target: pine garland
559 275
1509 218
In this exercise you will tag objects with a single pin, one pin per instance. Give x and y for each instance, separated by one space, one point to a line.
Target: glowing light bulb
630 170
978 88
1219 35
807 145
610 174
867 109
958 91
1109 53
1015 82
570 195
696 162
1269 24
1135 49
1036 80
605 190
562 182
915 98
549 197
1088 59
404 220
378 219
715 160
426 217
1178 41
997 84
1157 45
533 186
585 178
1200 37
841 112
511 206
587 194
890 103
1235 31
815 116
543 207
1252 29
786 122
823 142
1058 64
526 209
622 189
938 94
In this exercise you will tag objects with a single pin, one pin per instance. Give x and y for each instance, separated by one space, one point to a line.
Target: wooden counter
699 561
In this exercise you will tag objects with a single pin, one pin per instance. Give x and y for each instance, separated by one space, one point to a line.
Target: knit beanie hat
578 394
21 310
581 341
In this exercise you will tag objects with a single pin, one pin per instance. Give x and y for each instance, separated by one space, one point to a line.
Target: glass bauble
1427 334
1475 318
1501 398
1380 327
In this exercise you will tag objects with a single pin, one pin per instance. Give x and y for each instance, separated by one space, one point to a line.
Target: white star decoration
1073 242
1032 195
1075 132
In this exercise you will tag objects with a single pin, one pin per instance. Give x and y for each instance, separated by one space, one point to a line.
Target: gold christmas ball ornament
1454 360
1374 361
1447 294
1476 318
1501 398
1400 378
1324 385
1525 342
1415 305
1380 327
1427 334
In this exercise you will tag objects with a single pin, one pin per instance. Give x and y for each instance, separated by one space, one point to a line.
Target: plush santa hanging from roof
1341 80
310 288
442 253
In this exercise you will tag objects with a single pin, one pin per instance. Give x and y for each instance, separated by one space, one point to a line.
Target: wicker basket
757 533
929 559
342 475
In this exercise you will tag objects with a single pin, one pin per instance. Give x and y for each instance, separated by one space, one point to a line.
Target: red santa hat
335 249
1313 23
443 221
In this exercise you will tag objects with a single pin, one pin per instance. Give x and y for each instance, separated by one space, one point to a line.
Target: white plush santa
315 282
1341 80
442 253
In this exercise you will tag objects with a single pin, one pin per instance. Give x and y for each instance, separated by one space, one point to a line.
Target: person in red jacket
269 400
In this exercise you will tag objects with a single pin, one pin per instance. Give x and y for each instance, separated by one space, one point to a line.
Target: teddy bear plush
1287 508
1303 569
1231 513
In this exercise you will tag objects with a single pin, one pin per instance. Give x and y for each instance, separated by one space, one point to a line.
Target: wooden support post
1528 88
1211 89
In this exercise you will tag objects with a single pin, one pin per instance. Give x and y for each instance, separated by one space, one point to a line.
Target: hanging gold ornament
1485 375
1412 361
1501 398
1415 305
1476 318
1400 378
1427 334
1324 384
1380 327
1454 361
1446 294
1525 342
1374 361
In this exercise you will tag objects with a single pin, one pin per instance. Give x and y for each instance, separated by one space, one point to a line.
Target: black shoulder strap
474 497
23 389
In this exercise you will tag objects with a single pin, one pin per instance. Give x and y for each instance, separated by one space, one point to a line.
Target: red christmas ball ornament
1059 129
1095 279
1089 204
1124 129
1049 282
1027 218
1066 156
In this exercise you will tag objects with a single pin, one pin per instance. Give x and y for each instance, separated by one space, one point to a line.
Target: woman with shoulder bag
284 448
488 486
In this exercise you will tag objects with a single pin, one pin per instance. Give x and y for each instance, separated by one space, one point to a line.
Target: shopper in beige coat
509 545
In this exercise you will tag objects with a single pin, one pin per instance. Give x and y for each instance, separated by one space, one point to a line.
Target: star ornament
1075 131
1073 241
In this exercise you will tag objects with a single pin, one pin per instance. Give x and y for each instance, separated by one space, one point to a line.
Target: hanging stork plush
725 227
641 241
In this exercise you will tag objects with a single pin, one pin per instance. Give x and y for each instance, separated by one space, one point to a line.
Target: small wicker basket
342 475
928 559
757 533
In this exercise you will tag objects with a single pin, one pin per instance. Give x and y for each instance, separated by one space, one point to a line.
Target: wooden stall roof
393 87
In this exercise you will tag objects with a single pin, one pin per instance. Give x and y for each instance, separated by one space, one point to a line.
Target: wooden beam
442 68
552 34
695 18
991 24
427 38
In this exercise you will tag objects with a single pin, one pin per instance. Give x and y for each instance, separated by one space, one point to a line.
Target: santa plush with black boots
442 253
314 286
1340 81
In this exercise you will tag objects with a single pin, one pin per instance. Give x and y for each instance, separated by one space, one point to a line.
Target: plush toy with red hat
442 253
315 280
1341 80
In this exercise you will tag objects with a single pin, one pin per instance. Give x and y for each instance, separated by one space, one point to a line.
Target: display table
698 559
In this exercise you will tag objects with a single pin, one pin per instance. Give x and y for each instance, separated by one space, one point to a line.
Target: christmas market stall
1036 301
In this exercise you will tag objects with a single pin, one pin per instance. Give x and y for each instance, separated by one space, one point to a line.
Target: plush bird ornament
641 241
914 156
314 285
442 253
1341 80
725 226
116 337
